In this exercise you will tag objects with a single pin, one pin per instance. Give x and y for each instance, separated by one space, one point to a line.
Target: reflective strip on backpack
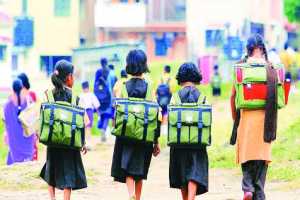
200 125
178 126
51 123
145 122
73 129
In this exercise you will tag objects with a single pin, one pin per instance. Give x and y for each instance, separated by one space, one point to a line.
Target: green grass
3 147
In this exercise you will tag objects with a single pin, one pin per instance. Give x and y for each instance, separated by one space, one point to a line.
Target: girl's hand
156 150
84 150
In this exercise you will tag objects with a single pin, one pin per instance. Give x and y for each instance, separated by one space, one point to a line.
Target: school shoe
248 196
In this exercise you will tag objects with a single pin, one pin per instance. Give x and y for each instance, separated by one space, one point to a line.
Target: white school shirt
88 100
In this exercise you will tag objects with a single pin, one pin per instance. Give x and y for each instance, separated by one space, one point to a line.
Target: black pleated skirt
189 164
64 169
130 159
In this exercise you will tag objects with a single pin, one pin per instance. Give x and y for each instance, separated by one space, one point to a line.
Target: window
2 52
214 38
161 46
62 8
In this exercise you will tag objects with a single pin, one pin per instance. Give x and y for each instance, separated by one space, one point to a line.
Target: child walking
253 138
131 160
63 168
90 103
189 164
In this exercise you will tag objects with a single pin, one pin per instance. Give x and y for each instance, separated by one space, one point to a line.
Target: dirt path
23 182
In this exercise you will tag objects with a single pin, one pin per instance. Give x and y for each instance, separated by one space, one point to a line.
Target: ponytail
57 82
17 88
62 70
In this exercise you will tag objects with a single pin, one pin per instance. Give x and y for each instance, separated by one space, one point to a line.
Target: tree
292 10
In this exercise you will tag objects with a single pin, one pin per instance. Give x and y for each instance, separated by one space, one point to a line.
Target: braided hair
17 88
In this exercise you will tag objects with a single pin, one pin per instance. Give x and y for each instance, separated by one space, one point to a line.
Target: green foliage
3 147
292 10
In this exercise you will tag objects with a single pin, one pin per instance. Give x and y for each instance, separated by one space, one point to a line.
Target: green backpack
251 89
62 123
189 123
135 118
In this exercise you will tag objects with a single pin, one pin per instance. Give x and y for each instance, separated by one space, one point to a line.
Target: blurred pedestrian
287 60
90 103
102 89
216 82
63 168
31 98
112 76
20 148
163 91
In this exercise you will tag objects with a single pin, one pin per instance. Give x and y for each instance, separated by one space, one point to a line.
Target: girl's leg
138 189
184 193
130 186
192 190
67 194
51 192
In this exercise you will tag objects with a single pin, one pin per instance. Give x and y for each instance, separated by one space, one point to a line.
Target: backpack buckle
178 124
73 126
200 125
51 122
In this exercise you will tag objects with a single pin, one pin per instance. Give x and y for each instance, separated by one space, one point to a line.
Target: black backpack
164 94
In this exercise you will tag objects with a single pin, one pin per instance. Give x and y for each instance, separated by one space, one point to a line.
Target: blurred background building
34 34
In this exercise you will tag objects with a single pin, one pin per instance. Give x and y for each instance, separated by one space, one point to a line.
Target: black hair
62 70
25 81
167 69
136 62
256 41
103 62
216 67
286 46
85 85
17 88
188 72
123 73
111 67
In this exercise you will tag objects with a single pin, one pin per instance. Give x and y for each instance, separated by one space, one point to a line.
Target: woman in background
20 148
31 99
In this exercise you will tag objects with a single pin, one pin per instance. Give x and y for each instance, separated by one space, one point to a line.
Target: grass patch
3 147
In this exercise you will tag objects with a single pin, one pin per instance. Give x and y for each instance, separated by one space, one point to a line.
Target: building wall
233 13
53 35
87 21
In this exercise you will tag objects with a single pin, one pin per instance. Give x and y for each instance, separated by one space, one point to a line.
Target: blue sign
233 49
23 32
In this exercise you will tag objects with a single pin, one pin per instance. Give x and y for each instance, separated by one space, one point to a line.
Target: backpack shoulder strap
177 99
124 93
149 91
201 100
49 96
75 100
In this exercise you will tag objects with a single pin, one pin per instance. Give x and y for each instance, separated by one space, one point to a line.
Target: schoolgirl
189 164
63 168
255 130
131 160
